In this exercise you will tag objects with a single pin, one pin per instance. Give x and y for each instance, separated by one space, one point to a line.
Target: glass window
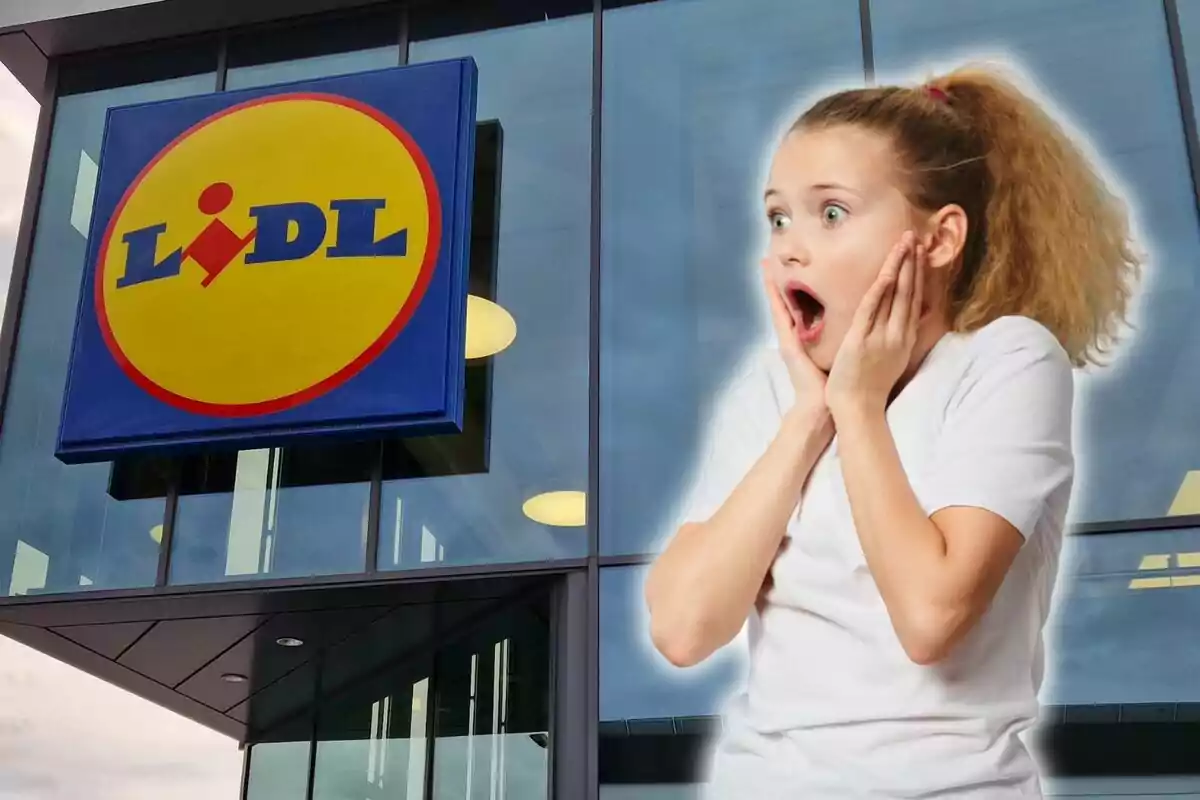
1125 616
278 513
279 763
1108 67
318 48
695 94
469 716
635 681
648 709
69 528
531 397
1189 31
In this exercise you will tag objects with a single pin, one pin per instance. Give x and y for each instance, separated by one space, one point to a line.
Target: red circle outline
424 276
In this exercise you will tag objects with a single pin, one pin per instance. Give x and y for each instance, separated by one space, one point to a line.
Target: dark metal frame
575 659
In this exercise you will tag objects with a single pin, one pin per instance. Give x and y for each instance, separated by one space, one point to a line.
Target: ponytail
1046 238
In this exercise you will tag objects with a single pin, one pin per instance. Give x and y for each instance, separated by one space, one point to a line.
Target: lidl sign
277 262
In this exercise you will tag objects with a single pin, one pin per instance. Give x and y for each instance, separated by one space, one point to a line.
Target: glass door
447 701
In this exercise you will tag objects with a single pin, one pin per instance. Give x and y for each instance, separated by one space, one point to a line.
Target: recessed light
233 677
560 509
490 328
288 641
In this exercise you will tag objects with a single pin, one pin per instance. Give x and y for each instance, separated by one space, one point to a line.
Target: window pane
464 707
1108 67
275 513
279 765
1125 617
695 92
535 82
492 712
64 528
314 49
635 681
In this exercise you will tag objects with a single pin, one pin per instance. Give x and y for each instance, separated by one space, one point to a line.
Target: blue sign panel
275 263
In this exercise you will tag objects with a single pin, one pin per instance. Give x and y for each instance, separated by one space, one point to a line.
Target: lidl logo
286 259
232 251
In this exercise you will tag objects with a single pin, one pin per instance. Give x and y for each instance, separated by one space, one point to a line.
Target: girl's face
835 210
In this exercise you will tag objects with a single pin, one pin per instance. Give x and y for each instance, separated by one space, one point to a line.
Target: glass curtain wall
94 526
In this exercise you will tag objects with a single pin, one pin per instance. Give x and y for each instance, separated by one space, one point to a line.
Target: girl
884 495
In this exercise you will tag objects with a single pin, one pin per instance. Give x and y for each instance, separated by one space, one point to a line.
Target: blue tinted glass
1124 602
1127 607
307 68
273 513
535 80
695 94
635 681
62 528
1107 66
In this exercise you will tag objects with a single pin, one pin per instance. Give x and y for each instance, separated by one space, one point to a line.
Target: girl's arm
702 587
1003 462
937 575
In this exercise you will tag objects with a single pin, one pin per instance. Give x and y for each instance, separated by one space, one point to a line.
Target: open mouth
809 310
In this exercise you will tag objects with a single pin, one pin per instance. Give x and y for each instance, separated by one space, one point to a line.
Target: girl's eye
779 221
832 214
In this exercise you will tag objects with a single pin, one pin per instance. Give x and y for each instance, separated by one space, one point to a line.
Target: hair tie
937 94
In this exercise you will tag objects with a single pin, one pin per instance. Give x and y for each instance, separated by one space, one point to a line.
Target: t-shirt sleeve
1005 445
737 433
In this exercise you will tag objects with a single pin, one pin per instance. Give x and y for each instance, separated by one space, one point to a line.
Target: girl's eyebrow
816 187
824 187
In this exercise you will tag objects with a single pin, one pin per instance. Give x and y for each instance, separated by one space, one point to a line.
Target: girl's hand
807 379
879 345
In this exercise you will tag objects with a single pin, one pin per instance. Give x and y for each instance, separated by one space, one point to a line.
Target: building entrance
445 699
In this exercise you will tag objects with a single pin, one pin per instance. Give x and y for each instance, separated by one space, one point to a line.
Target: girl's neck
929 332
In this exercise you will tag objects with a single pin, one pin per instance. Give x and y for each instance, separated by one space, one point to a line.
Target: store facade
457 615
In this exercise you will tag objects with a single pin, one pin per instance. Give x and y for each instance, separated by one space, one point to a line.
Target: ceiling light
560 509
288 641
156 534
233 677
490 328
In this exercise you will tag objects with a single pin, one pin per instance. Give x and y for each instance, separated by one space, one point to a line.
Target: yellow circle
566 509
262 333
490 328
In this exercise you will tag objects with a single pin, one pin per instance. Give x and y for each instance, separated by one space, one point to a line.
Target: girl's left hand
879 345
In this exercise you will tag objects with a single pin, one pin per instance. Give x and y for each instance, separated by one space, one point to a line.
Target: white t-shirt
833 708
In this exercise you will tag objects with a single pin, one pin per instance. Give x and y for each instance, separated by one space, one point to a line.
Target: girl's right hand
807 379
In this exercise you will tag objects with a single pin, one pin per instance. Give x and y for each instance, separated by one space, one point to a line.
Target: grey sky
65 735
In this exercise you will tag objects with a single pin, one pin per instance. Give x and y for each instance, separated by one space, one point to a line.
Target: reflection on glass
687 121
275 512
310 68
635 681
278 769
66 528
493 711
316 48
535 80
1109 68
380 746
461 716
1126 608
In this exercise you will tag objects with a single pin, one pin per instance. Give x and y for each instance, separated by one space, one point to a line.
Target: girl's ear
945 236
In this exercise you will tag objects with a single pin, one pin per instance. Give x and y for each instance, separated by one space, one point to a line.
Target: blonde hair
1046 237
